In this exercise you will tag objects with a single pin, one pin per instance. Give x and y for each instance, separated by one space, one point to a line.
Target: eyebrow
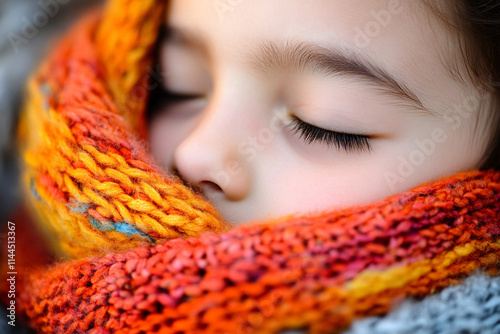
305 56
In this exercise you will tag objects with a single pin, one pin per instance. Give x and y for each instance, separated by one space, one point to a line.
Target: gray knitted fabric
470 307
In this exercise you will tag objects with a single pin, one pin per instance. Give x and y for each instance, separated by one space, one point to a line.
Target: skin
233 138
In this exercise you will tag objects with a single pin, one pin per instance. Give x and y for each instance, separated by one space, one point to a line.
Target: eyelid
184 95
181 95
294 119
341 140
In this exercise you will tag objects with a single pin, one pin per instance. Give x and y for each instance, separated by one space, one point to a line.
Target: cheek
433 151
393 167
307 187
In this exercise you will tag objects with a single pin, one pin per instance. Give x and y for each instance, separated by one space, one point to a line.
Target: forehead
401 36
360 23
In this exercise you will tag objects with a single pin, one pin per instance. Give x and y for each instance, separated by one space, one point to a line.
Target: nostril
211 185
208 189
201 188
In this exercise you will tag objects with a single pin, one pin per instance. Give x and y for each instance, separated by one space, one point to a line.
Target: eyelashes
345 141
307 132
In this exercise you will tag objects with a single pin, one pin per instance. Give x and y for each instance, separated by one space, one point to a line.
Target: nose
208 158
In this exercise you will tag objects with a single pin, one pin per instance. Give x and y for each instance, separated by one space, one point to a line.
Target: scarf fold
145 254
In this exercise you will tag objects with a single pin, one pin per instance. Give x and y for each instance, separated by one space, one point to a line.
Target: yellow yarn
93 186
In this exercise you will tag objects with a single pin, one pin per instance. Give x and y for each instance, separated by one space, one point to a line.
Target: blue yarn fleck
98 225
78 207
44 87
121 227
46 91
33 190
124 227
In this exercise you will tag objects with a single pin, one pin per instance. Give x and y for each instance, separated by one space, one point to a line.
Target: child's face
379 77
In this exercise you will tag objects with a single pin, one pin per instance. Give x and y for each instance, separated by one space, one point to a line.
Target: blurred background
28 29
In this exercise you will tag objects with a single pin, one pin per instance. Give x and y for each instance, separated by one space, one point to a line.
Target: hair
477 23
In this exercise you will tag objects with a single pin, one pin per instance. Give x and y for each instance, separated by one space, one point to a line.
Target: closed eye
345 141
179 97
162 100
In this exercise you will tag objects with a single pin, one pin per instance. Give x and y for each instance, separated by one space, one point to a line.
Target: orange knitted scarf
147 255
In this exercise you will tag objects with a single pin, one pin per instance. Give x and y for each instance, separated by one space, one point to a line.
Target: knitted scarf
139 252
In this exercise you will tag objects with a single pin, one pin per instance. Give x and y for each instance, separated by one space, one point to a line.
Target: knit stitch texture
471 307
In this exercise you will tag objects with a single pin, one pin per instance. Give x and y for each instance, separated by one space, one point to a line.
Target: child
286 109
271 108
